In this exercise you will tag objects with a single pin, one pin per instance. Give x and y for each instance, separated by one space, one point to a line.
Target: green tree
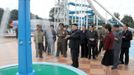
113 20
117 15
14 15
1 13
32 16
37 17
51 15
129 20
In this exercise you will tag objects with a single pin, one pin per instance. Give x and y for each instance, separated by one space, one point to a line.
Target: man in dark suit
92 37
83 42
74 45
126 38
53 39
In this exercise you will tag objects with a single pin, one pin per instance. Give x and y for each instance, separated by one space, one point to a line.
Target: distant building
34 22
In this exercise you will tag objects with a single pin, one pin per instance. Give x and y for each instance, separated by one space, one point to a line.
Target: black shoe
74 66
82 56
121 62
65 56
49 53
41 56
44 50
57 55
113 68
126 64
86 56
89 58
94 58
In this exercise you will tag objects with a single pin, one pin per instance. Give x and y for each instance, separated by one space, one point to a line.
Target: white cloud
12 4
42 7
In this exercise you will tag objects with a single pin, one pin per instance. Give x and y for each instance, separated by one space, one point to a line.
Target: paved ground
8 55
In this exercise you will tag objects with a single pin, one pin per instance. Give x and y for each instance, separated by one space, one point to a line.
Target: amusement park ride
83 13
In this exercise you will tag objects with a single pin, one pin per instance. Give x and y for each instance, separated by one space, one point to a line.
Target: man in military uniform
38 39
74 45
101 35
65 40
61 33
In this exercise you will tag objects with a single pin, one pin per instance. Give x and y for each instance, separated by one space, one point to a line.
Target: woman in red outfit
108 44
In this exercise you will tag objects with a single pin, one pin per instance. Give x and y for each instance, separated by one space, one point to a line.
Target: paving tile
126 73
97 71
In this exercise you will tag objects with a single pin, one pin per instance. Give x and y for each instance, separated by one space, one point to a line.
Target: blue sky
42 7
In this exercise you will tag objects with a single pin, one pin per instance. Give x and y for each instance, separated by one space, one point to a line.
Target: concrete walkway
8 56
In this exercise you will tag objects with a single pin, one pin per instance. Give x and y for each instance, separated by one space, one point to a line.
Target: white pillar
94 19
80 13
106 18
87 21
76 11
97 22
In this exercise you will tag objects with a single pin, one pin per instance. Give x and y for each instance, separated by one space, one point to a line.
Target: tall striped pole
24 39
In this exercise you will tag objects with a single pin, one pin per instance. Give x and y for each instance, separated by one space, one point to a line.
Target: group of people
87 42
116 45
49 36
